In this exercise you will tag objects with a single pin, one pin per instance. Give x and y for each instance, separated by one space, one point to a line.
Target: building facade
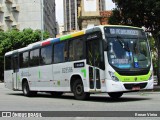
76 9
21 14
105 16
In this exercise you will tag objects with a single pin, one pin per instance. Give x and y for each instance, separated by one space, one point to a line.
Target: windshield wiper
122 44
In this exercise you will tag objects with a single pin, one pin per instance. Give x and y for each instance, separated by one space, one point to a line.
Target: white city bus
112 59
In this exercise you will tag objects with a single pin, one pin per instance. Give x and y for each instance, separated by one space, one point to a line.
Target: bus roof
64 37
124 26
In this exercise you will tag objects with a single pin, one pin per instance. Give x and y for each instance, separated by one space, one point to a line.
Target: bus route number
67 70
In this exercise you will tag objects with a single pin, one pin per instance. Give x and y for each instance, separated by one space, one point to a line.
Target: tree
140 13
13 39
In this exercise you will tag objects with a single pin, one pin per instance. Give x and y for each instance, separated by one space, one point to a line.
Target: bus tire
56 94
115 95
78 90
26 90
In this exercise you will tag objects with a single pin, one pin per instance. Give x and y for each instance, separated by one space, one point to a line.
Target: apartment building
21 14
73 9
70 14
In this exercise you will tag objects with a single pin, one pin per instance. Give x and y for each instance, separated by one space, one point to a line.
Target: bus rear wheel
115 95
26 90
78 90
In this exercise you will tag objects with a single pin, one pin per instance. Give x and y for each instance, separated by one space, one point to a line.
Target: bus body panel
150 84
24 74
8 79
63 73
33 77
45 78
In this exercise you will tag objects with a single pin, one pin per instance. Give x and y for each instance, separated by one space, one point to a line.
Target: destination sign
123 31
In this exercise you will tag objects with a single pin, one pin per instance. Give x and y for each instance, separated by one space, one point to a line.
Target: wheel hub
79 89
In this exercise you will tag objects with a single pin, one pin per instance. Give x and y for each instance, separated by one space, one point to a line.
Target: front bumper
112 86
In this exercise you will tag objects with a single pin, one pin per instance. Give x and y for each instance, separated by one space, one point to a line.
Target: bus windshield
128 53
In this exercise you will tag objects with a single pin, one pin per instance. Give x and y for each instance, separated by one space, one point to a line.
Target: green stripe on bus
65 37
58 83
84 72
138 78
39 74
18 78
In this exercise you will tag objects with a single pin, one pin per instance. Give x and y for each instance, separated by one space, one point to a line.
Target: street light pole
42 22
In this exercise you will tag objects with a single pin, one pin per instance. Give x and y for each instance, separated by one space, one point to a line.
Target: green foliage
115 18
137 13
13 39
154 53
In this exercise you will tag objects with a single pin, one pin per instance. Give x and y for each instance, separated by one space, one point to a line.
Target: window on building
46 55
34 58
60 52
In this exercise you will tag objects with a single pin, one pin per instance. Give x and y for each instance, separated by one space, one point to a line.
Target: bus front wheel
115 95
26 90
78 90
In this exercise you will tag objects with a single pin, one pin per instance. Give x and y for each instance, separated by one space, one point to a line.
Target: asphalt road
139 101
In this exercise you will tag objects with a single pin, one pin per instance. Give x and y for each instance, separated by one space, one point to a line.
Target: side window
60 52
76 49
8 64
15 62
34 58
24 59
46 55
143 48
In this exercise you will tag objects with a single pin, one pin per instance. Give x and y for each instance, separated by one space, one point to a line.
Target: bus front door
15 72
93 52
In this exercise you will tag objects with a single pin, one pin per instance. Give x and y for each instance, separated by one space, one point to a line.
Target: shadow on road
122 99
92 98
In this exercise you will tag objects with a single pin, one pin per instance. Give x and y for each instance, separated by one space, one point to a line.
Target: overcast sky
59 9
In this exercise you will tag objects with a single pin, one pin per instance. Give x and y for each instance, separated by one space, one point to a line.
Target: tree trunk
156 37
158 64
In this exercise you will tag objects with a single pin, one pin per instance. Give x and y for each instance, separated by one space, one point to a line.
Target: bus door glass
94 59
15 71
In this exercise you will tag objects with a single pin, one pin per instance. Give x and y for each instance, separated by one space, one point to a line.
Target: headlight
114 78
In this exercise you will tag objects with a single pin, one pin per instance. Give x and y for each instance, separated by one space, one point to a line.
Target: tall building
21 14
74 9
70 15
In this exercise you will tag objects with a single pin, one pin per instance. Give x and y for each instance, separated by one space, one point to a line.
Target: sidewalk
156 88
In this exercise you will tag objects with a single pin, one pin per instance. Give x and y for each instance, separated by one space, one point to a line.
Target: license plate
136 88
